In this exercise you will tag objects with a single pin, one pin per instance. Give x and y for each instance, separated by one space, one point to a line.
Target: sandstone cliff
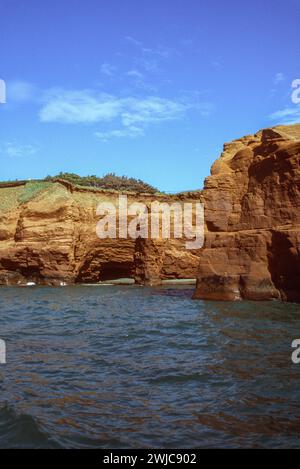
48 236
252 242
252 202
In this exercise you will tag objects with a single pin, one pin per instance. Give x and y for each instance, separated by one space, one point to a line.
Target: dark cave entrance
116 270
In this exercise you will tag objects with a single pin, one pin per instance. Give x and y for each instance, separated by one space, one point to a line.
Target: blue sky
150 89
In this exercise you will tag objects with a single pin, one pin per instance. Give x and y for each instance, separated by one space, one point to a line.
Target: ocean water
132 367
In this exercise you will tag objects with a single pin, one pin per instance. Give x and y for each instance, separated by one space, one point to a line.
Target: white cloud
108 69
289 115
83 106
135 74
131 115
15 150
131 132
151 109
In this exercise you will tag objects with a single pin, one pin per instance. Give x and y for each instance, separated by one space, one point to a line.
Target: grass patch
32 190
9 198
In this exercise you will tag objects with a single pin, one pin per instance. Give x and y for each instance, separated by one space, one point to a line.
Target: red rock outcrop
252 202
48 236
252 243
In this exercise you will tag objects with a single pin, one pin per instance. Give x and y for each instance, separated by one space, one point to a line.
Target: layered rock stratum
48 236
252 215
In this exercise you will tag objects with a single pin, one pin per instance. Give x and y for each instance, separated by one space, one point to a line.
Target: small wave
178 378
22 431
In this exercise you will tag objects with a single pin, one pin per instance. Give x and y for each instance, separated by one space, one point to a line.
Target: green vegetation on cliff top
108 182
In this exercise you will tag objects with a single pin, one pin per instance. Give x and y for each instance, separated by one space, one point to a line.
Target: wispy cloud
150 57
16 150
138 80
279 78
130 115
108 69
159 50
134 41
85 106
73 107
152 109
130 132
135 74
286 116
126 115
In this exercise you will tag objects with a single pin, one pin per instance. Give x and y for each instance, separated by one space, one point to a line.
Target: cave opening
116 270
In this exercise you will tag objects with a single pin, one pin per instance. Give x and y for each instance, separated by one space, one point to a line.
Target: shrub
109 181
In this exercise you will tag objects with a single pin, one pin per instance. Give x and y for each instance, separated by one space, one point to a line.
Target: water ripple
136 367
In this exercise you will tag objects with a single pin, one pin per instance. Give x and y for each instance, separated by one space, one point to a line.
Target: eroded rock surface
252 218
48 236
252 202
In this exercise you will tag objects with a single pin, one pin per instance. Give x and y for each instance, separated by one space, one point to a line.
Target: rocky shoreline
48 237
252 229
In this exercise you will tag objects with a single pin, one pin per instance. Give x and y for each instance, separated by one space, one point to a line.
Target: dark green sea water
130 367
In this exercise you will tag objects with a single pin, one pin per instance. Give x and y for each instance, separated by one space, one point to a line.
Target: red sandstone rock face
48 236
252 214
252 200
164 259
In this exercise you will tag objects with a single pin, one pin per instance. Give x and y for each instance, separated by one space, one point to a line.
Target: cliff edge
252 201
48 237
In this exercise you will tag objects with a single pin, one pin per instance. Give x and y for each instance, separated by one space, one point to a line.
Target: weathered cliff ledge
252 214
48 236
